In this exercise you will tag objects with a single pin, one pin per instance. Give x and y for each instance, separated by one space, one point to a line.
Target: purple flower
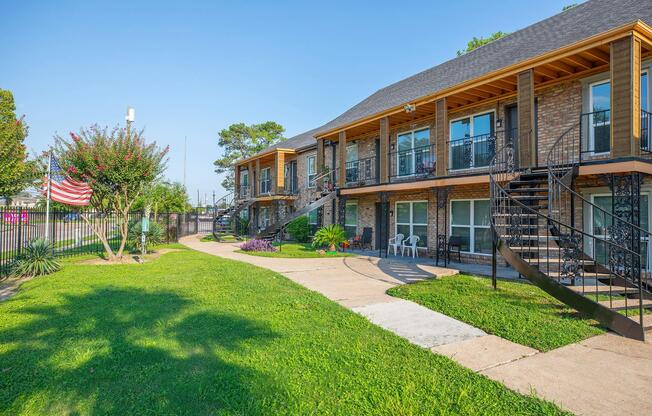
257 245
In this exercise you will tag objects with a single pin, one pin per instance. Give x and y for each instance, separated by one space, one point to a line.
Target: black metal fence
72 233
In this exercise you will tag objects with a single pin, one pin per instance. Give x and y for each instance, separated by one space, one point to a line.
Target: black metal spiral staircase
538 227
226 212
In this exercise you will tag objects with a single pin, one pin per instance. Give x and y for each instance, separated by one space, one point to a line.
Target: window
244 183
601 222
470 220
413 152
263 219
600 117
351 219
265 181
351 163
290 180
311 164
412 219
472 141
313 221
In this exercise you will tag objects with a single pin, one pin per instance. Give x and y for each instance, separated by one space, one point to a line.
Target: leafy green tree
163 197
299 229
15 170
241 141
475 43
570 6
118 166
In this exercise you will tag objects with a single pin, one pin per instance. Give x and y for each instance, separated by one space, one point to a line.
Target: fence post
19 241
167 229
197 223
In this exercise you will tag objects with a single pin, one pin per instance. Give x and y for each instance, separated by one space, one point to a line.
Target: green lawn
194 334
224 239
519 312
295 250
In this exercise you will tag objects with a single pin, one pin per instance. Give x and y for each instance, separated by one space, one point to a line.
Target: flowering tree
117 165
14 167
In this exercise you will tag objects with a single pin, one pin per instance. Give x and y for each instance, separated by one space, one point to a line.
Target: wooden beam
525 100
341 147
598 54
490 89
469 97
479 93
579 61
384 150
456 100
546 72
502 84
560 66
280 172
441 137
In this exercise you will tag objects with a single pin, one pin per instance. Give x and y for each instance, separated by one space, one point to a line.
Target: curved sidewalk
603 375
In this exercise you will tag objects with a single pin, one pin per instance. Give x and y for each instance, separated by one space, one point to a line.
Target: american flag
64 189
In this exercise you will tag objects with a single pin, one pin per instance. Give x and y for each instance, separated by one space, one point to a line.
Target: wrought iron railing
324 181
265 185
414 162
646 129
478 151
244 192
361 172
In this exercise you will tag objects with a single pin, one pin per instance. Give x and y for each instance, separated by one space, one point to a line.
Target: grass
519 312
224 239
194 334
295 250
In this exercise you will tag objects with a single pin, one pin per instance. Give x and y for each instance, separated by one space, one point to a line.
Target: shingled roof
297 142
573 25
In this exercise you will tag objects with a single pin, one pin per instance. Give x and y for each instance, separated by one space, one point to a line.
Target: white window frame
411 150
590 247
591 125
264 221
472 134
308 174
268 178
411 224
357 214
471 224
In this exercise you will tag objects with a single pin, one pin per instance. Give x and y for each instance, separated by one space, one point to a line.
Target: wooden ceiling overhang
579 60
267 156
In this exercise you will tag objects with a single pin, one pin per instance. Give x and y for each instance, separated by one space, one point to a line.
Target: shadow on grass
130 351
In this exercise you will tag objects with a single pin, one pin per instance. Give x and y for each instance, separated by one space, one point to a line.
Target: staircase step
647 320
622 304
602 289
521 190
522 198
587 275
531 215
533 248
529 182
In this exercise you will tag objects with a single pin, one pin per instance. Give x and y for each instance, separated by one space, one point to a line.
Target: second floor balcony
413 163
596 133
362 172
477 152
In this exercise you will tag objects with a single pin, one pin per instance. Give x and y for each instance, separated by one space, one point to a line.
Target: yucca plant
330 235
37 258
154 236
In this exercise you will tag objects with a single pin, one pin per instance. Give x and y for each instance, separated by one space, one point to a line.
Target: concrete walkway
604 375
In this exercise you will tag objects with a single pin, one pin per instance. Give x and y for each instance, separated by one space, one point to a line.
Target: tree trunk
99 232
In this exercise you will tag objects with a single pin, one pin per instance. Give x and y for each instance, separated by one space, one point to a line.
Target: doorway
382 225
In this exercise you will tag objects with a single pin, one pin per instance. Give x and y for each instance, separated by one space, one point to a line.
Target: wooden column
320 162
257 178
625 72
441 137
252 182
384 151
280 172
525 102
341 147
236 182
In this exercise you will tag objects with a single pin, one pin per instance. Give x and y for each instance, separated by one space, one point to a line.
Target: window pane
483 125
460 129
601 220
404 141
601 97
351 217
644 93
422 138
404 161
403 229
465 233
350 231
645 221
481 213
312 217
351 152
403 213
311 165
420 213
461 154
482 240
422 232
461 212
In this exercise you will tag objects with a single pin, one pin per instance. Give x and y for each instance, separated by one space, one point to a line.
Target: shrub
37 258
299 229
330 236
257 245
152 237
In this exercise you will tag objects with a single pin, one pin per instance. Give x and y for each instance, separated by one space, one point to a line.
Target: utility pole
213 198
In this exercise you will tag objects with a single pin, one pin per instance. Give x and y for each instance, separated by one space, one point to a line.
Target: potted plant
331 236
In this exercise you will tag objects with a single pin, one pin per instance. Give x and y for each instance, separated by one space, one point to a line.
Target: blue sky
192 68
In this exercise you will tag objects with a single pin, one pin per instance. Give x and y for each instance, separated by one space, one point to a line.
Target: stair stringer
611 319
274 228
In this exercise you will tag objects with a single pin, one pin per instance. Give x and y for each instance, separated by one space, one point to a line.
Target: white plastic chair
395 243
411 244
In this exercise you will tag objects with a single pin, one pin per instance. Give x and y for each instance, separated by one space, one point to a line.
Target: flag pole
47 198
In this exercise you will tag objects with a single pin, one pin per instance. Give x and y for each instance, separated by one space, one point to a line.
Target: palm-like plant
38 258
330 235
